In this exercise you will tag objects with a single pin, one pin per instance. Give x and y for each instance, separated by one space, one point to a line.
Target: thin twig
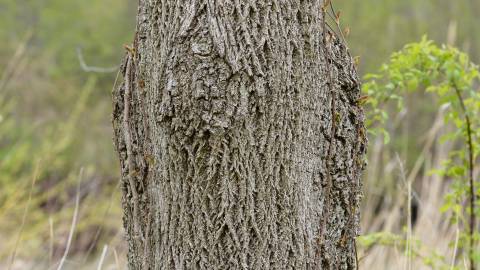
88 68
12 65
327 203
100 228
117 261
455 247
74 223
338 26
471 180
408 183
24 217
50 223
102 258
128 144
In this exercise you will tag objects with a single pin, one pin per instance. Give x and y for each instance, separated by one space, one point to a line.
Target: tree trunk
240 138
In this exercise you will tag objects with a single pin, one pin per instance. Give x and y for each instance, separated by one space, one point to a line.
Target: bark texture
240 139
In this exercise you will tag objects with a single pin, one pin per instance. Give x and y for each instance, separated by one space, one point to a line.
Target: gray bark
240 139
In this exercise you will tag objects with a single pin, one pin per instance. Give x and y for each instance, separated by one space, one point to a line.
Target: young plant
449 74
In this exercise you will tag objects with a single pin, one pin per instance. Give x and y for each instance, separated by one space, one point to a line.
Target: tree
240 138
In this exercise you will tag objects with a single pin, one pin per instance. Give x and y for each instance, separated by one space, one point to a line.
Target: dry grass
424 235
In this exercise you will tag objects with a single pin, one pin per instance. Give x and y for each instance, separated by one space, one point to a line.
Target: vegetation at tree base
55 120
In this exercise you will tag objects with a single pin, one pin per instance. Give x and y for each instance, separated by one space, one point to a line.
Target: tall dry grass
401 207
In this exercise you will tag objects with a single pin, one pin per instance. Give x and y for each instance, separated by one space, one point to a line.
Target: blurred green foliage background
55 117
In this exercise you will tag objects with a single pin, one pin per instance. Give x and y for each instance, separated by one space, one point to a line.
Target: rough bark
240 139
